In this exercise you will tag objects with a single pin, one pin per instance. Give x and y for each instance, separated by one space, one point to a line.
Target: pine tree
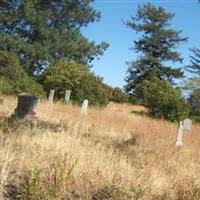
41 32
156 47
195 62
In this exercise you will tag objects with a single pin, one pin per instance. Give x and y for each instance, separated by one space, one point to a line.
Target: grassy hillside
112 153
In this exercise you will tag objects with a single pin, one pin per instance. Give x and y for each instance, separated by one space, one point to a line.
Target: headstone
67 95
51 95
26 106
1 101
187 124
84 107
179 141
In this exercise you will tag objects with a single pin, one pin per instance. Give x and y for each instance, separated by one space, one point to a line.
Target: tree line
42 48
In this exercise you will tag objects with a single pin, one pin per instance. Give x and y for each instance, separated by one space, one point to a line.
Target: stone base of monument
26 109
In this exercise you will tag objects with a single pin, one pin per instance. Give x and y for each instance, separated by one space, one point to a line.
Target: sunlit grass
111 153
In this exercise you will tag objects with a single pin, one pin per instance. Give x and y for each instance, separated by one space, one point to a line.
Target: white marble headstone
67 95
179 140
51 95
84 107
187 124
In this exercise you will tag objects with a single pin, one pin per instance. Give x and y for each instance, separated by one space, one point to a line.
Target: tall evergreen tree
43 31
195 62
156 47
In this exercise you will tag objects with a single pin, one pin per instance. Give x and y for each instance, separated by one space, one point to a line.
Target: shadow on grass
140 113
9 126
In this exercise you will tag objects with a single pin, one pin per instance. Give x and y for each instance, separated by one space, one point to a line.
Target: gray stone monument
51 95
84 107
67 95
187 124
26 107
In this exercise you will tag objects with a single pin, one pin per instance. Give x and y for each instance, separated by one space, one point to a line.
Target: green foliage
69 75
42 32
192 84
195 118
119 96
156 45
115 94
163 101
13 80
10 66
109 91
194 101
27 85
195 61
62 76
91 88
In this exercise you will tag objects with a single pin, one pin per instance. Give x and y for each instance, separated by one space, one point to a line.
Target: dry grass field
112 153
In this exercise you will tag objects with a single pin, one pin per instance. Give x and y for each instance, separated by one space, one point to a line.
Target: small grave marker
84 107
179 140
51 95
67 95
187 124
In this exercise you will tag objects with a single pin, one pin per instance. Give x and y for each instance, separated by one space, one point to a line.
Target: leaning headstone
187 124
1 101
51 95
26 107
179 141
67 95
84 107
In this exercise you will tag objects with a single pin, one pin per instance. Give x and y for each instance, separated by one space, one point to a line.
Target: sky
112 65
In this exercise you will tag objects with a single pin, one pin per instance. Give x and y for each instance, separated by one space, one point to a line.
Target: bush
119 96
13 80
163 101
109 91
195 118
69 75
27 85
91 88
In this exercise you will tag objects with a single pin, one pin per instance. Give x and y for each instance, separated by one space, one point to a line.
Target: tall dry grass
111 153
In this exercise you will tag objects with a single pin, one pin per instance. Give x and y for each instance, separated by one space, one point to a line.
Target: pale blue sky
112 65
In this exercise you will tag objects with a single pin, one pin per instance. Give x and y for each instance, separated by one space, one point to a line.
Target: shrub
69 75
163 101
91 88
109 91
13 79
119 96
195 118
